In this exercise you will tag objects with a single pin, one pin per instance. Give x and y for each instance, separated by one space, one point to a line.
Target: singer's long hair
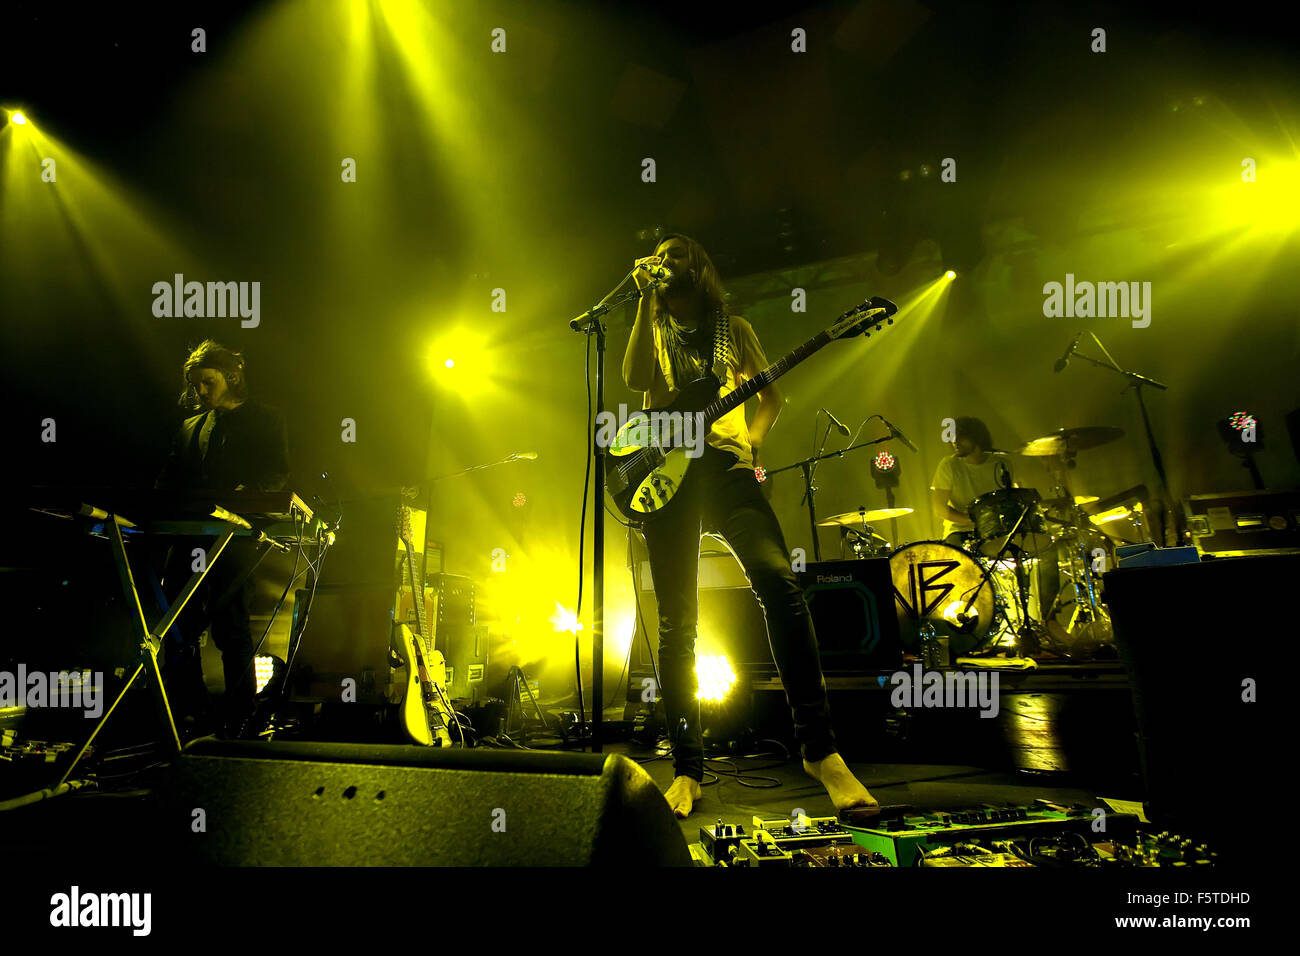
713 301
214 355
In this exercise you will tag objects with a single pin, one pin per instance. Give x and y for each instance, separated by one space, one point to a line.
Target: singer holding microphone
972 470
684 330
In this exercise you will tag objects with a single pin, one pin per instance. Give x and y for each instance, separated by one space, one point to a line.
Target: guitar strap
723 355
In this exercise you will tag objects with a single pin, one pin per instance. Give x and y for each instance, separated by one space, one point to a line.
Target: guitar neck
719 407
417 588
417 594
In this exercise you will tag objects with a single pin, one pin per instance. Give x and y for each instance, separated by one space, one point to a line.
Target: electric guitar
425 713
647 461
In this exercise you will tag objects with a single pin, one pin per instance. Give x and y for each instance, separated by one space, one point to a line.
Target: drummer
972 470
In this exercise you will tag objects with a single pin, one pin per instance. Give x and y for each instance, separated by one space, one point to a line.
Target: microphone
896 433
1064 360
840 426
660 272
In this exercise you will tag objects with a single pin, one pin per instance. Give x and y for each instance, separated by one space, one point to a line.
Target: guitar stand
149 641
514 680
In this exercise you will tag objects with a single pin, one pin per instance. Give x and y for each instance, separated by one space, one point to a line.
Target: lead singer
672 344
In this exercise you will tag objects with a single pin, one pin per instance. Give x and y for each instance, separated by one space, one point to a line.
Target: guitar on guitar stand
425 712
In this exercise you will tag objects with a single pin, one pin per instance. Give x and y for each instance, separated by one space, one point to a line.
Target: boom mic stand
810 492
1136 381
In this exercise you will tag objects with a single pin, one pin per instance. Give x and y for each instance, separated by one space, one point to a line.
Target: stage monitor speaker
268 803
1190 636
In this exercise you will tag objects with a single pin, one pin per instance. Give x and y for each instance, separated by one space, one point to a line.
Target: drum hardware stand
1074 571
1136 381
810 492
1026 639
1079 570
893 522
865 539
963 618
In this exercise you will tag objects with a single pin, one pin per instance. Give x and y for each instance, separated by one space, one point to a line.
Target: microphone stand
809 488
1136 381
810 492
590 323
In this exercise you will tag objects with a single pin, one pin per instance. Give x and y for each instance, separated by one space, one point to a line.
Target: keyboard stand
150 642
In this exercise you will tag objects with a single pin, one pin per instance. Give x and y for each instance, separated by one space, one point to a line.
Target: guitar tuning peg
890 322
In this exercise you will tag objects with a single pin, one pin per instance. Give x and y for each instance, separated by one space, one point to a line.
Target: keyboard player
231 443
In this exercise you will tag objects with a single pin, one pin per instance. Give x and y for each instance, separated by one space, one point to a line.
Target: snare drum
998 512
933 582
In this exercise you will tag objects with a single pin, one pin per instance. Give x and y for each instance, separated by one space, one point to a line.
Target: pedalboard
1044 835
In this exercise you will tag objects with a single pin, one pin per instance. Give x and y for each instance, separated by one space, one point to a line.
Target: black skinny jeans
731 503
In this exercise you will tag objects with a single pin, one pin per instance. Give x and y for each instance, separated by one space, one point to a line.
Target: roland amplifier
851 602
852 605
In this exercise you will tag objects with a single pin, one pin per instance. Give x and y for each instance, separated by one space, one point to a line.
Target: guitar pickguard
659 487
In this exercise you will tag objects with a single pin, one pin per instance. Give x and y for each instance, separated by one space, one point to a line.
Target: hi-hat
862 516
1068 440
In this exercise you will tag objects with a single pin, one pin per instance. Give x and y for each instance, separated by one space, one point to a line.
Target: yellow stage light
18 118
715 676
950 274
1271 204
265 669
464 352
565 620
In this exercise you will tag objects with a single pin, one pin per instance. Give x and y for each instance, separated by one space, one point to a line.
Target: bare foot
844 788
682 794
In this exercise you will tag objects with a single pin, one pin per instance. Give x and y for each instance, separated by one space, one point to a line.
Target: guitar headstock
404 523
870 315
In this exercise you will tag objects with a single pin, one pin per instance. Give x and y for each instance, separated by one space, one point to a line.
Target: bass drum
933 582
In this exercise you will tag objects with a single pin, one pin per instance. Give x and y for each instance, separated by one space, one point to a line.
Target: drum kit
1028 577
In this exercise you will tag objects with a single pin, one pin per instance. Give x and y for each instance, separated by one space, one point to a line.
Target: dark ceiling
787 165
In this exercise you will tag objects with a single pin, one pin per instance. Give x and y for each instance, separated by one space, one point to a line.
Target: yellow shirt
729 433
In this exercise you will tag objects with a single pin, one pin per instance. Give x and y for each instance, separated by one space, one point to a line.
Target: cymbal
1066 502
863 516
1067 440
